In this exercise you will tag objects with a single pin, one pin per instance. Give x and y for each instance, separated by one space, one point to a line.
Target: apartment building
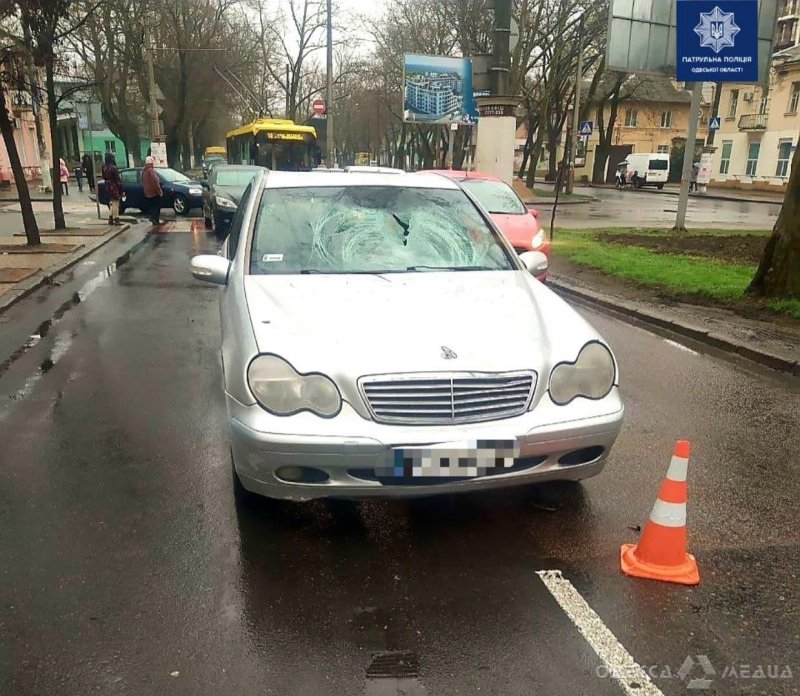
787 33
759 128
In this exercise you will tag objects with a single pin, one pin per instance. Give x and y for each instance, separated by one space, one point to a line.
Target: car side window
129 176
236 224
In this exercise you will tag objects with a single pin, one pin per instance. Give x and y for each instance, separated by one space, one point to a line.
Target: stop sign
319 106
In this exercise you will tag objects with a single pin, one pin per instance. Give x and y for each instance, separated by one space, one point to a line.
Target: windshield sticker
272 257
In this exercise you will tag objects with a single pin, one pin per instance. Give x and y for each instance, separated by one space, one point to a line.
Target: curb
631 313
703 196
581 200
47 275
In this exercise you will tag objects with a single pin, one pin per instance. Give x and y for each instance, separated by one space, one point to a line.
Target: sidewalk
774 343
531 198
23 269
713 194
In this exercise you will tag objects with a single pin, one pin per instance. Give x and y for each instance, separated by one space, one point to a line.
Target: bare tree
778 273
49 23
10 59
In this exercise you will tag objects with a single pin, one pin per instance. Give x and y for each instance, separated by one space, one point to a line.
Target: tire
207 221
180 204
218 227
660 187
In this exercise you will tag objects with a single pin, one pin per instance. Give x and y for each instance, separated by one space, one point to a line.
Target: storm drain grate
393 664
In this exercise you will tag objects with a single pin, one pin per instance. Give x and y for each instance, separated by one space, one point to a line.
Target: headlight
195 192
281 390
538 239
225 202
591 375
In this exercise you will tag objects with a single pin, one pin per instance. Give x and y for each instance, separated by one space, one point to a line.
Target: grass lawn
714 279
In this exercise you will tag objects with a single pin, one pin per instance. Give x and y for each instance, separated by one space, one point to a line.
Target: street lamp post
329 92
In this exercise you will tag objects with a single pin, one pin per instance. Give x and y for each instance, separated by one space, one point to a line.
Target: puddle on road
61 345
79 296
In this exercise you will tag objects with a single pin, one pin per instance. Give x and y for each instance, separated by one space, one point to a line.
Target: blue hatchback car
180 192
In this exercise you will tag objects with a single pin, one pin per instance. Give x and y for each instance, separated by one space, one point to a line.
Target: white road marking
680 346
618 662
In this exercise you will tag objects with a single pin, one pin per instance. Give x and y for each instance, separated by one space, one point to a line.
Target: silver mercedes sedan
381 338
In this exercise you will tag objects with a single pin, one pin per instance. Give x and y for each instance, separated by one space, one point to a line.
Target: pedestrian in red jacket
152 190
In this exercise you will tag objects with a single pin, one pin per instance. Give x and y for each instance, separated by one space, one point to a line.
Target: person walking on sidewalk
113 188
88 169
64 176
152 190
79 176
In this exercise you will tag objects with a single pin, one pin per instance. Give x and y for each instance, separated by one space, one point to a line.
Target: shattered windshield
372 229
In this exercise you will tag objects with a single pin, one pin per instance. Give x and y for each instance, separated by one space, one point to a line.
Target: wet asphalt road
645 209
128 569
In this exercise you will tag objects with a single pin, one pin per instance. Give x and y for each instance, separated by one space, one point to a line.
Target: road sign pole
573 142
688 157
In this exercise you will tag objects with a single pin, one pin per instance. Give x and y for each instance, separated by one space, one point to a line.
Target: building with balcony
434 95
787 32
18 105
759 129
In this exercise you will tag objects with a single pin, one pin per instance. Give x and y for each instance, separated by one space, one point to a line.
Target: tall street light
329 93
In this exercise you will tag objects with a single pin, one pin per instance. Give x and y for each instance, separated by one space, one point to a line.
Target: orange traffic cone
661 552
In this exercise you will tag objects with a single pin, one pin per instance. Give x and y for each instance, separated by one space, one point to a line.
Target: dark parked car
222 193
180 192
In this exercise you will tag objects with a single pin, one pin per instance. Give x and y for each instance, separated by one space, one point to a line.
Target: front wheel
180 204
660 187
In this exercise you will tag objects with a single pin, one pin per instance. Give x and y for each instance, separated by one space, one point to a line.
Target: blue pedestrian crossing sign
586 128
713 123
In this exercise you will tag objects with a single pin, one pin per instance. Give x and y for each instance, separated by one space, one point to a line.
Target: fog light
290 473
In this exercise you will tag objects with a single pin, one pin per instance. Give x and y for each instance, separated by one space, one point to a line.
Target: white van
647 169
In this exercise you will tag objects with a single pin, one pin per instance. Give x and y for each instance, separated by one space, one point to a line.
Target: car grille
426 399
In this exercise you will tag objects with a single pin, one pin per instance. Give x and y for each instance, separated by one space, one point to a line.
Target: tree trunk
526 152
36 101
778 273
536 153
28 218
55 146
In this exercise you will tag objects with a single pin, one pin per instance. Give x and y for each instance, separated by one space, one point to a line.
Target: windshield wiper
449 268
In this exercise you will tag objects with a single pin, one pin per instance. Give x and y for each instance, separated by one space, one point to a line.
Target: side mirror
534 212
204 183
211 269
534 261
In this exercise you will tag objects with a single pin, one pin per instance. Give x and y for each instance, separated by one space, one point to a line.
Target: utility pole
576 111
95 168
329 93
714 112
151 81
288 87
688 157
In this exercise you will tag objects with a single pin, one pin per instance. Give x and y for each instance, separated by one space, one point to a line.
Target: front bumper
555 443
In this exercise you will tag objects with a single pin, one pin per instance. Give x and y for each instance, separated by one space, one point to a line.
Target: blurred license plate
453 459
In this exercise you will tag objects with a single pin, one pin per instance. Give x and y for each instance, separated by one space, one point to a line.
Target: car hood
353 325
233 193
519 230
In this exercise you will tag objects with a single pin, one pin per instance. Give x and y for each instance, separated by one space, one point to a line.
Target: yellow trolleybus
275 143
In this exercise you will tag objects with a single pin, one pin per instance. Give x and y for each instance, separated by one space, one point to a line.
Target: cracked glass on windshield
372 229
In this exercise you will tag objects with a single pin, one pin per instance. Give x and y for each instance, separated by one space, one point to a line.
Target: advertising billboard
437 89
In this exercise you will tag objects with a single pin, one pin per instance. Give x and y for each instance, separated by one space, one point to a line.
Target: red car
519 224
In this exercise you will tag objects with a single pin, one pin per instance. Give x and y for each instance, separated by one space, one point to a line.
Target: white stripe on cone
668 514
677 469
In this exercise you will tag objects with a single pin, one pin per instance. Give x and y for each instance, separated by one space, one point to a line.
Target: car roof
359 168
300 179
239 167
461 175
